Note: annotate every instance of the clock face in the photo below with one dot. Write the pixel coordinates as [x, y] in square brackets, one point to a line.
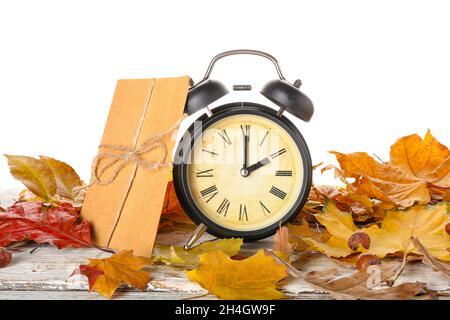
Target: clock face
[245, 172]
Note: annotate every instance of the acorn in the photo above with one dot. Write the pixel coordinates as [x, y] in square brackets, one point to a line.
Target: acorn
[366, 260]
[359, 239]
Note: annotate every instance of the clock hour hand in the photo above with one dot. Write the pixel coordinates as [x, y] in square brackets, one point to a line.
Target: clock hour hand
[258, 165]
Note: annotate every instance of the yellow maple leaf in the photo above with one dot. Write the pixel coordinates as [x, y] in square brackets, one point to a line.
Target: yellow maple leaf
[181, 257]
[427, 223]
[253, 278]
[418, 168]
[106, 275]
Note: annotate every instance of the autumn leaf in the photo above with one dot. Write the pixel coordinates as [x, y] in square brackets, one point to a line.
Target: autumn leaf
[297, 232]
[339, 225]
[190, 258]
[66, 177]
[429, 260]
[173, 216]
[56, 225]
[359, 284]
[36, 175]
[427, 223]
[106, 275]
[418, 170]
[281, 244]
[360, 205]
[5, 257]
[254, 278]
[171, 204]
[357, 260]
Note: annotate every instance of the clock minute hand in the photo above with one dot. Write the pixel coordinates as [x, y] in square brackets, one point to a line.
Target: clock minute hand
[258, 164]
[246, 138]
[245, 152]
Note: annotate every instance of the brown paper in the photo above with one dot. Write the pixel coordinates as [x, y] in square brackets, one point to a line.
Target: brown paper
[125, 214]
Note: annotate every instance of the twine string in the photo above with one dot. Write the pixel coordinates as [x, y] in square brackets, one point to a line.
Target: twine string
[125, 155]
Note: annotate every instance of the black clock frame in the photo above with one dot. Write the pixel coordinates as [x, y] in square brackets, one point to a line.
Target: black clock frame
[180, 178]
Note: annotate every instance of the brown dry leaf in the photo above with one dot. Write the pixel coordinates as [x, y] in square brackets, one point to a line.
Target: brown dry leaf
[418, 171]
[360, 205]
[281, 244]
[348, 262]
[254, 278]
[106, 275]
[190, 258]
[36, 175]
[428, 259]
[299, 231]
[66, 177]
[360, 284]
[311, 207]
[424, 222]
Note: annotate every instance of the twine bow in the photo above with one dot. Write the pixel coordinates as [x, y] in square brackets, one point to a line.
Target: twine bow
[125, 155]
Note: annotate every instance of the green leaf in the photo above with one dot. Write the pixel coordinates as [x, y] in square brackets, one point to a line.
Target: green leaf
[66, 177]
[190, 258]
[35, 174]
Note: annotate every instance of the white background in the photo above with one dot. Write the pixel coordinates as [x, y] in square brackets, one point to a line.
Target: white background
[375, 70]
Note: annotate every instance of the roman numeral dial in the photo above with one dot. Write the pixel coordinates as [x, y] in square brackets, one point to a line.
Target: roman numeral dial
[264, 209]
[243, 215]
[278, 193]
[224, 135]
[209, 193]
[223, 208]
[283, 173]
[208, 173]
[278, 153]
[246, 173]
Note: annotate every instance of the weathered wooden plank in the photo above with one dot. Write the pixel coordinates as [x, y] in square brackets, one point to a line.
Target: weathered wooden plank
[46, 274]
[123, 295]
[8, 196]
[85, 295]
[49, 269]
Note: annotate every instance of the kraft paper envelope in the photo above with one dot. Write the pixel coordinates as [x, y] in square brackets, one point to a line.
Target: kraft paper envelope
[125, 213]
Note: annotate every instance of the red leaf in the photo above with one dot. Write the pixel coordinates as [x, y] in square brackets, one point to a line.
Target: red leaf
[92, 273]
[55, 225]
[5, 257]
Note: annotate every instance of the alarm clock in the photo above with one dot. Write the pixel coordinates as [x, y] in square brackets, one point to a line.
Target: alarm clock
[242, 168]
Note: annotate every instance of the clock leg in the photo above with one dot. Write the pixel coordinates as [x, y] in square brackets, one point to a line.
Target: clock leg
[198, 232]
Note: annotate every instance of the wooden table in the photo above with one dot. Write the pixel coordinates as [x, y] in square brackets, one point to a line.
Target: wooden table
[46, 274]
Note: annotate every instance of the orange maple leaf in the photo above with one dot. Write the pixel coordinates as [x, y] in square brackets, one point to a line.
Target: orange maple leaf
[418, 171]
[171, 204]
[106, 275]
